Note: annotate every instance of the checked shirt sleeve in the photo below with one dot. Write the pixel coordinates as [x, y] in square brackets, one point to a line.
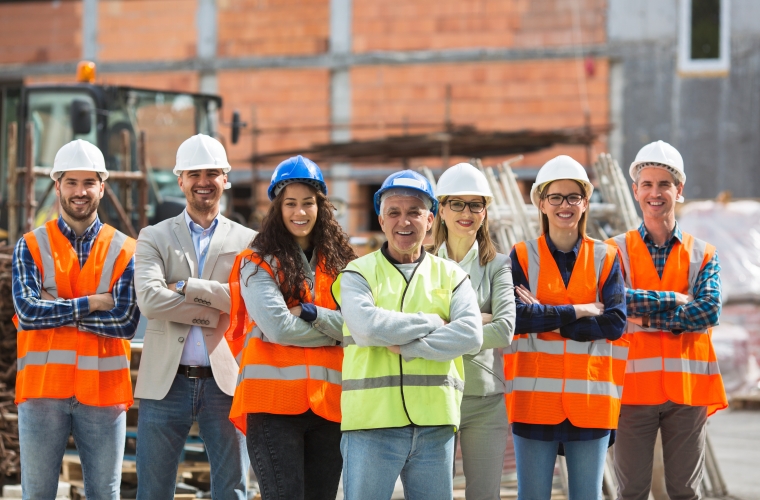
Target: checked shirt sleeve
[121, 321]
[33, 312]
[703, 312]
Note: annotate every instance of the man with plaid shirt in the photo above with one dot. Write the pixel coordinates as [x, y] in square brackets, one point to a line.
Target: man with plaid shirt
[673, 298]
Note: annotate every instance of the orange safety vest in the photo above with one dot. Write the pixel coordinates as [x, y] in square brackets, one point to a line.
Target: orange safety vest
[279, 379]
[551, 378]
[663, 366]
[63, 362]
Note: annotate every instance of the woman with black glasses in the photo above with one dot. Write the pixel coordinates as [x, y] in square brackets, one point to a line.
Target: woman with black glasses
[566, 364]
[460, 232]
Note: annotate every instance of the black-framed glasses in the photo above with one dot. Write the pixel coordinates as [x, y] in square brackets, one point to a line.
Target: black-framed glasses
[557, 199]
[458, 206]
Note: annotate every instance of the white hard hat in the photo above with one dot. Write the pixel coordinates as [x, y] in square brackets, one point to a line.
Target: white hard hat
[561, 167]
[201, 152]
[664, 155]
[79, 155]
[659, 154]
[465, 180]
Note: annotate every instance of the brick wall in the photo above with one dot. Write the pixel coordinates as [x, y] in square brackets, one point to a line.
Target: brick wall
[146, 30]
[491, 96]
[445, 24]
[273, 27]
[40, 32]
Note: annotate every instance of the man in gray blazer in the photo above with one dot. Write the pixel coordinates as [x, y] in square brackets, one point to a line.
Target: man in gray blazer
[187, 371]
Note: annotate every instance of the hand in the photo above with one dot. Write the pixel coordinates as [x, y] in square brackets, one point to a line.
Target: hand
[526, 296]
[46, 296]
[682, 299]
[588, 310]
[172, 287]
[487, 318]
[395, 349]
[295, 311]
[101, 302]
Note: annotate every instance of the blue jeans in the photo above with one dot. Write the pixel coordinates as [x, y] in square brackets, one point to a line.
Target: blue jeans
[535, 467]
[99, 433]
[295, 457]
[163, 426]
[374, 459]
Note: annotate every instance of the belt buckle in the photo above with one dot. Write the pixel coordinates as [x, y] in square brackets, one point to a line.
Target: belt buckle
[193, 372]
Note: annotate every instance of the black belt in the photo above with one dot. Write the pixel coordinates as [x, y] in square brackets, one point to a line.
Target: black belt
[195, 371]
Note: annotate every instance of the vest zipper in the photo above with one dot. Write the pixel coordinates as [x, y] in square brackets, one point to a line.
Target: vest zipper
[400, 359]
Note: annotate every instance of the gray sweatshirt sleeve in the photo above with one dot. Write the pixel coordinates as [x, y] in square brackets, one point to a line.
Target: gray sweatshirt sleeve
[267, 308]
[329, 322]
[501, 329]
[371, 326]
[462, 335]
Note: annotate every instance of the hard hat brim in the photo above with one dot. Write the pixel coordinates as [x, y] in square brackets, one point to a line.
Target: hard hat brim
[224, 168]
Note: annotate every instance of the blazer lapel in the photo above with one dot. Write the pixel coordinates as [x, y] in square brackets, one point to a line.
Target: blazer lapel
[215, 247]
[186, 242]
[476, 275]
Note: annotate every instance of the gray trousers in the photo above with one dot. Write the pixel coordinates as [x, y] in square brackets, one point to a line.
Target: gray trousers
[483, 438]
[683, 431]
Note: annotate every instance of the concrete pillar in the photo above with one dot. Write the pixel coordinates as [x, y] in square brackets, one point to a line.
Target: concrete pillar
[340, 99]
[206, 23]
[90, 30]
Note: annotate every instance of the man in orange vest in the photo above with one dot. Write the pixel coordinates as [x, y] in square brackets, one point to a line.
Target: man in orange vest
[75, 311]
[672, 381]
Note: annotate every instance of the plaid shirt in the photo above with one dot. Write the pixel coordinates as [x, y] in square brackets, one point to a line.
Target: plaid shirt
[543, 318]
[702, 313]
[37, 314]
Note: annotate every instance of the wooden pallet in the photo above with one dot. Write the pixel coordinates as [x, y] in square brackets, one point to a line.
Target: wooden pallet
[745, 401]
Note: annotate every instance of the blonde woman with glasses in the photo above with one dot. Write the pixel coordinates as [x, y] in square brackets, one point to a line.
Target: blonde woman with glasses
[460, 232]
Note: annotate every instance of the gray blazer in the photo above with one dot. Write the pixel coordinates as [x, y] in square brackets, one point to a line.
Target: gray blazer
[165, 254]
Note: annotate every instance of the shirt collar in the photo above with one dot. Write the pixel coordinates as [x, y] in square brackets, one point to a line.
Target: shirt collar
[470, 257]
[195, 228]
[89, 233]
[677, 234]
[553, 248]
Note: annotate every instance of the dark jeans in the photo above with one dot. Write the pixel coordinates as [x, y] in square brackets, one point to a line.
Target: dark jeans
[295, 457]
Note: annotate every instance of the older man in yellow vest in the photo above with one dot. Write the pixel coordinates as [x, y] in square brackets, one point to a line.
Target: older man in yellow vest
[409, 317]
[672, 381]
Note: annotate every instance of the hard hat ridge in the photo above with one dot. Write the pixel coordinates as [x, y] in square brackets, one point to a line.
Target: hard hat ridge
[296, 169]
[465, 180]
[79, 155]
[407, 179]
[201, 152]
[559, 168]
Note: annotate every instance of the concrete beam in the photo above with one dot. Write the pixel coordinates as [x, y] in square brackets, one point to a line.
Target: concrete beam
[340, 97]
[206, 24]
[89, 30]
[328, 61]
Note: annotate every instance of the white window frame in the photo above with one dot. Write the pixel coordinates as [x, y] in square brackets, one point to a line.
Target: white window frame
[685, 62]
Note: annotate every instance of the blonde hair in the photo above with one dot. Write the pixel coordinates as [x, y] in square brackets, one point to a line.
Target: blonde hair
[486, 247]
[544, 219]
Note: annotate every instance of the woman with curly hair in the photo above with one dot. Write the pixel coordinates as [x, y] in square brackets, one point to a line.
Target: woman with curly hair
[288, 394]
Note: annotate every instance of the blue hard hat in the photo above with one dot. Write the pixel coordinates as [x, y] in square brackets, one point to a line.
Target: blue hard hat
[408, 179]
[296, 169]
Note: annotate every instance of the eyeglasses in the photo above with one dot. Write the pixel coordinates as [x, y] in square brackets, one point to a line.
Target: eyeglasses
[557, 199]
[458, 206]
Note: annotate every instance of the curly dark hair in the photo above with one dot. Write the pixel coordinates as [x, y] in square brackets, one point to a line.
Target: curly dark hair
[328, 240]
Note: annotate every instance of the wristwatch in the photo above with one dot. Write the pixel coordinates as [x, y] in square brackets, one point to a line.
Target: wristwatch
[181, 287]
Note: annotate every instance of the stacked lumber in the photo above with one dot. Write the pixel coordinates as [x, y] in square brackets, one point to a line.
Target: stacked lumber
[9, 447]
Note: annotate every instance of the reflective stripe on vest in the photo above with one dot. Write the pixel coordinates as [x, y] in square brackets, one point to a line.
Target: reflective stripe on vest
[663, 366]
[64, 362]
[381, 389]
[550, 378]
[279, 379]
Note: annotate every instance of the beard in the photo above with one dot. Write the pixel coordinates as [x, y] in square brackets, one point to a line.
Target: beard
[204, 206]
[79, 213]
